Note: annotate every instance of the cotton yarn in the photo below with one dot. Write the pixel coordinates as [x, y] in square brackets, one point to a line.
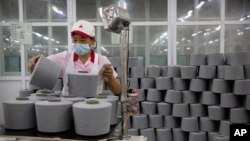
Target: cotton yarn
[53, 116]
[19, 114]
[92, 119]
[83, 84]
[45, 74]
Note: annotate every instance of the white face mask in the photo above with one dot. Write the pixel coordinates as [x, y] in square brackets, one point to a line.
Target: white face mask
[81, 49]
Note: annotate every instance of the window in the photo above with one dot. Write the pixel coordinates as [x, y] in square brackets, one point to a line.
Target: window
[237, 38]
[7, 13]
[193, 39]
[238, 10]
[198, 10]
[45, 10]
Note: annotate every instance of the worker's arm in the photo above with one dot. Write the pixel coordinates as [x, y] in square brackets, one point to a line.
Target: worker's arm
[32, 62]
[113, 84]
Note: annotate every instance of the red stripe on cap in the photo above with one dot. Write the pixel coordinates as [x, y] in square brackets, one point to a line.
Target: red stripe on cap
[92, 57]
[84, 35]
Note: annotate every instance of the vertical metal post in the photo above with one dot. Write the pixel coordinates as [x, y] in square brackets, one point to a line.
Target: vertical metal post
[124, 59]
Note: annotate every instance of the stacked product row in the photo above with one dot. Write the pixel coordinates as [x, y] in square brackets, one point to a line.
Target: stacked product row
[192, 103]
[89, 117]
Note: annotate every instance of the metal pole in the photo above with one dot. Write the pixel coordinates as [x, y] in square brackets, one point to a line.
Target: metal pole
[124, 58]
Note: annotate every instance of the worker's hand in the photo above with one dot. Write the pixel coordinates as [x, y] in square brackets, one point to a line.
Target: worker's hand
[32, 62]
[107, 72]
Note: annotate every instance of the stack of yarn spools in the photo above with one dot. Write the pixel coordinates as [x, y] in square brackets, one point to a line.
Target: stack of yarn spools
[198, 102]
[50, 112]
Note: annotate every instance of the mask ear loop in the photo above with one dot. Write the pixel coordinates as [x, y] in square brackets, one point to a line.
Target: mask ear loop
[95, 46]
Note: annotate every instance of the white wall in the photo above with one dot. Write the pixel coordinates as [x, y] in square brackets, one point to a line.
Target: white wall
[9, 89]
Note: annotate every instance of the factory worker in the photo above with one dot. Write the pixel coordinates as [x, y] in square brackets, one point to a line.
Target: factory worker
[81, 57]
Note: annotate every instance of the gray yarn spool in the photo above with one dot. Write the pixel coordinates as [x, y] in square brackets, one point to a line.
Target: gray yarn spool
[164, 70]
[163, 134]
[148, 133]
[148, 108]
[224, 128]
[241, 58]
[207, 72]
[180, 84]
[19, 114]
[189, 97]
[53, 117]
[234, 73]
[82, 84]
[147, 83]
[220, 72]
[40, 78]
[133, 83]
[216, 59]
[153, 71]
[156, 121]
[133, 132]
[25, 92]
[115, 61]
[188, 72]
[137, 72]
[174, 71]
[247, 71]
[133, 62]
[72, 99]
[197, 136]
[207, 125]
[173, 96]
[59, 85]
[198, 85]
[247, 102]
[180, 110]
[221, 138]
[197, 110]
[37, 97]
[189, 124]
[171, 122]
[114, 101]
[163, 83]
[139, 121]
[209, 98]
[179, 135]
[198, 59]
[154, 95]
[211, 135]
[164, 108]
[229, 100]
[141, 95]
[220, 86]
[241, 87]
[92, 119]
[216, 113]
[239, 115]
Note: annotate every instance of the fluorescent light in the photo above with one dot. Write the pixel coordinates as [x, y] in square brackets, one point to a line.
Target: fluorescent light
[200, 5]
[218, 28]
[57, 42]
[188, 48]
[57, 10]
[189, 40]
[194, 34]
[247, 28]
[183, 39]
[242, 19]
[210, 42]
[37, 34]
[240, 33]
[46, 38]
[165, 50]
[7, 39]
[216, 40]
